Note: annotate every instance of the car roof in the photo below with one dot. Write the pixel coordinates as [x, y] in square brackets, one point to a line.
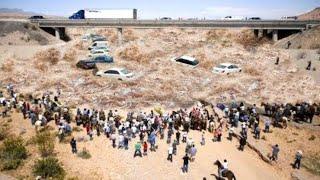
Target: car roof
[114, 69]
[226, 64]
[189, 58]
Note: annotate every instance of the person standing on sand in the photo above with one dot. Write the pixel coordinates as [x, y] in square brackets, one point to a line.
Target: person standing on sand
[297, 161]
[275, 152]
[242, 142]
[193, 152]
[137, 151]
[267, 126]
[203, 140]
[185, 163]
[170, 152]
[145, 148]
[113, 139]
[309, 66]
[73, 144]
[178, 137]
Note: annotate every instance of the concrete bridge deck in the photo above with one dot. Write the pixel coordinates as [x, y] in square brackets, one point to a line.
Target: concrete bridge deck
[259, 24]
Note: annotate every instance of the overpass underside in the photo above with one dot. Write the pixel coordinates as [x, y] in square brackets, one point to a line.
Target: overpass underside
[277, 29]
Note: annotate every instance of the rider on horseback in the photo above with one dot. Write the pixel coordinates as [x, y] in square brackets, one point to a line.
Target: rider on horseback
[224, 167]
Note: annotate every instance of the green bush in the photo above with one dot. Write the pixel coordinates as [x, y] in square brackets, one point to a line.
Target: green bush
[49, 168]
[4, 132]
[312, 163]
[45, 143]
[84, 154]
[12, 153]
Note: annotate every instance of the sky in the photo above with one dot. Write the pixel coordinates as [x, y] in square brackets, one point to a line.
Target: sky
[150, 9]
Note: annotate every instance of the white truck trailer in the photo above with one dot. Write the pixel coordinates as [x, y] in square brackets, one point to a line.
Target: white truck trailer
[105, 14]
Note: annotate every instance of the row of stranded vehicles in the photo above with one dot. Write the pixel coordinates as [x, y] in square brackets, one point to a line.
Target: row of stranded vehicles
[100, 54]
[132, 14]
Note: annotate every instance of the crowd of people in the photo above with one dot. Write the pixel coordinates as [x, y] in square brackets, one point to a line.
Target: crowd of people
[151, 127]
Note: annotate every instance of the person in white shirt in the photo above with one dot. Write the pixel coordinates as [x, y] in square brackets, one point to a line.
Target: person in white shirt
[170, 152]
[121, 138]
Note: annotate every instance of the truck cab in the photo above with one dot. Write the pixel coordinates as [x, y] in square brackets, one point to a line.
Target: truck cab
[78, 15]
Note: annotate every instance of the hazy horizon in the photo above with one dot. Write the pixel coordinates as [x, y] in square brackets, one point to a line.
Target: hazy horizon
[173, 8]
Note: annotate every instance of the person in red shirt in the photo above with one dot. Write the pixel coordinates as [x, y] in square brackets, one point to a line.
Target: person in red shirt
[145, 148]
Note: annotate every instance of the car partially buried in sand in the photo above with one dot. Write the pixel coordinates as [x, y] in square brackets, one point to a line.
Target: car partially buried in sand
[186, 60]
[118, 73]
[226, 68]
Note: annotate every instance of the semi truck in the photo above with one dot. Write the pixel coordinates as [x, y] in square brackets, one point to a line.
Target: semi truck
[105, 14]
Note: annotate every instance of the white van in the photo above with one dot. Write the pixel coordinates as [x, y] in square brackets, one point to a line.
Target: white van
[99, 44]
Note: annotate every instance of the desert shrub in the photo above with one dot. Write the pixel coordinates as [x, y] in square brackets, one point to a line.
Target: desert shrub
[128, 35]
[4, 132]
[84, 154]
[312, 137]
[80, 45]
[301, 55]
[133, 53]
[49, 168]
[214, 35]
[204, 62]
[70, 55]
[8, 65]
[51, 56]
[41, 66]
[45, 143]
[252, 71]
[312, 163]
[12, 153]
[315, 45]
[247, 40]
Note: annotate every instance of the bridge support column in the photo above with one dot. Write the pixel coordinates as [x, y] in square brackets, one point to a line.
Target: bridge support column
[57, 33]
[260, 33]
[275, 35]
[119, 30]
[256, 32]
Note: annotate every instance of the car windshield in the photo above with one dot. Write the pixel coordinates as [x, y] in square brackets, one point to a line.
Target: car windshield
[195, 62]
[221, 66]
[125, 71]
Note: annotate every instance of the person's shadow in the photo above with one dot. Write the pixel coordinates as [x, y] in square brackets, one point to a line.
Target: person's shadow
[217, 177]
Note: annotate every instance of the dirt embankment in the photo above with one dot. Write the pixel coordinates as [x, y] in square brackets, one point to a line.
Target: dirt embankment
[309, 39]
[23, 33]
[312, 15]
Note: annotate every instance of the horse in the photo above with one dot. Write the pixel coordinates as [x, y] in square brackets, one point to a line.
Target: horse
[227, 173]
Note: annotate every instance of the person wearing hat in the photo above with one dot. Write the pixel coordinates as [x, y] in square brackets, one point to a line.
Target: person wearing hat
[297, 159]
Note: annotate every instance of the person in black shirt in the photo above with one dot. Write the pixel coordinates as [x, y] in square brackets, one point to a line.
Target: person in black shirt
[185, 163]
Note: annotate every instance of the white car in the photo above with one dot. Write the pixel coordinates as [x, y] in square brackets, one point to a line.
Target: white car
[95, 53]
[106, 49]
[190, 61]
[119, 73]
[226, 68]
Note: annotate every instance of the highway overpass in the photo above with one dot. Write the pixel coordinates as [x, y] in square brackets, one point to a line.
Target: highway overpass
[260, 27]
[260, 24]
